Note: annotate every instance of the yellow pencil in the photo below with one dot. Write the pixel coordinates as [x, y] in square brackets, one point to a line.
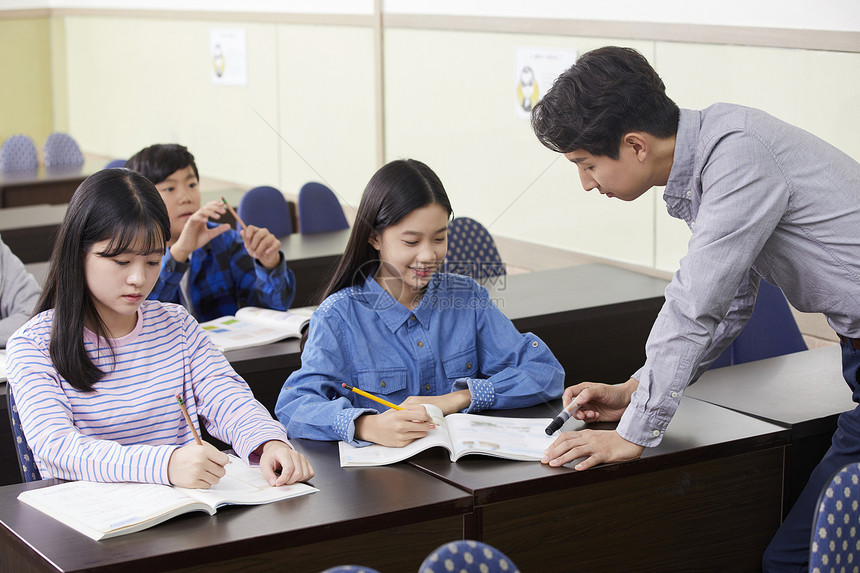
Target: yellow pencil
[234, 213]
[188, 419]
[372, 397]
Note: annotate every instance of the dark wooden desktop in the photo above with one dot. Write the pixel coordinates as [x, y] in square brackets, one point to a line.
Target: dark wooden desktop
[388, 518]
[804, 391]
[47, 185]
[595, 317]
[30, 231]
[707, 498]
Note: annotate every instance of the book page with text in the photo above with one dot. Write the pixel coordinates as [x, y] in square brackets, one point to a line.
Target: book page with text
[512, 438]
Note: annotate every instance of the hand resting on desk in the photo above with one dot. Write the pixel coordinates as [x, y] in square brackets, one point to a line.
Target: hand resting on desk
[599, 403]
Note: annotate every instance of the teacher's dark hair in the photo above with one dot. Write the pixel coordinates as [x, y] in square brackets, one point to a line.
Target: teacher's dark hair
[116, 205]
[606, 94]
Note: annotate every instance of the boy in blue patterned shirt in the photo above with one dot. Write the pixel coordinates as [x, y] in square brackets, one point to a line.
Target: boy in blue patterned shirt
[209, 268]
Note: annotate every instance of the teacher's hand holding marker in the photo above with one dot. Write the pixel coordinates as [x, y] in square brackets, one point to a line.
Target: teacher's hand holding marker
[591, 402]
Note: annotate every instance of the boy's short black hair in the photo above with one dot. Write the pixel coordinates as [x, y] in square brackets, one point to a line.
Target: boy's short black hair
[157, 162]
[607, 93]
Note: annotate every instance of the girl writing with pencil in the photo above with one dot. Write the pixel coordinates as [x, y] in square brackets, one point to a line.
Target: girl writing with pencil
[394, 327]
[96, 373]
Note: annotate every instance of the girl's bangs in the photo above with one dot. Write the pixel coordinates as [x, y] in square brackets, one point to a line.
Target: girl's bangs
[138, 237]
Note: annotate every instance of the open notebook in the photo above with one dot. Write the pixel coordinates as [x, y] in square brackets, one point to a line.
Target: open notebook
[461, 434]
[103, 510]
[254, 326]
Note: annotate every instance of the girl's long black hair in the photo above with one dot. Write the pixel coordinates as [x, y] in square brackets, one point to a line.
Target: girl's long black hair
[394, 191]
[116, 205]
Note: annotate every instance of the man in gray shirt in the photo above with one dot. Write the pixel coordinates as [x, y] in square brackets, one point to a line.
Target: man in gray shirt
[19, 293]
[762, 198]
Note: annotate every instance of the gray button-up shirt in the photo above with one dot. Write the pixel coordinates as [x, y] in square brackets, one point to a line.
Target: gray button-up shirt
[763, 199]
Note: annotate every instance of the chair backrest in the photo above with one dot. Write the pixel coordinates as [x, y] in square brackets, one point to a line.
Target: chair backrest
[319, 210]
[266, 207]
[467, 555]
[60, 150]
[26, 462]
[835, 543]
[472, 250]
[18, 153]
[771, 331]
[115, 163]
[350, 569]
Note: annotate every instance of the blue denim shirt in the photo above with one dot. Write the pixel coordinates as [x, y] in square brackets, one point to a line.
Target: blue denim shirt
[455, 339]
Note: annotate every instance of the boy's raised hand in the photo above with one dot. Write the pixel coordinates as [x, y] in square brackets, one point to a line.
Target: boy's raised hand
[262, 245]
[196, 233]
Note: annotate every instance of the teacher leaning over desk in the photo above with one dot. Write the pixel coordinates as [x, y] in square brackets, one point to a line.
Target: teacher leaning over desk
[762, 198]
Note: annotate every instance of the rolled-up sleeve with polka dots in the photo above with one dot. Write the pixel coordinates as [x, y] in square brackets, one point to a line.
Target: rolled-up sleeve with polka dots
[456, 338]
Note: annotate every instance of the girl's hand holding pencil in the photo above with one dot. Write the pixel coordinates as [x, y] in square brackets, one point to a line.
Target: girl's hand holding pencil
[395, 427]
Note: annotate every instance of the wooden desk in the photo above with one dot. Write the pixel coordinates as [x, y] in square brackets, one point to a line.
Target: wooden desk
[30, 231]
[709, 497]
[46, 185]
[388, 518]
[313, 258]
[804, 391]
[595, 318]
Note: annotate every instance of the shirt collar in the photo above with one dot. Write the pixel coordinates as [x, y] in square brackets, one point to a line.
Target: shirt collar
[681, 175]
[391, 312]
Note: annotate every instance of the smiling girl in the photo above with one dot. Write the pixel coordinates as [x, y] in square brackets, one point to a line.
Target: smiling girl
[96, 372]
[392, 325]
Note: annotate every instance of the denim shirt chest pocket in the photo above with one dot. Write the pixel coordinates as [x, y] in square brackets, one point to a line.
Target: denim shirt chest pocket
[463, 364]
[382, 382]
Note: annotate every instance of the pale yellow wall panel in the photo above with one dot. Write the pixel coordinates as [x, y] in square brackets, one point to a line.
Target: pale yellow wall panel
[450, 100]
[817, 91]
[25, 69]
[59, 75]
[327, 108]
[134, 82]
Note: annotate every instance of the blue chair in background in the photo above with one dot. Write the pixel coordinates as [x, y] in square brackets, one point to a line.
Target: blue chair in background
[61, 151]
[771, 331]
[266, 207]
[835, 539]
[467, 555]
[115, 163]
[26, 462]
[472, 250]
[319, 210]
[18, 154]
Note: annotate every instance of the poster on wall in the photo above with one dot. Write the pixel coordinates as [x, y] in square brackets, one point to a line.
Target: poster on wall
[534, 71]
[228, 56]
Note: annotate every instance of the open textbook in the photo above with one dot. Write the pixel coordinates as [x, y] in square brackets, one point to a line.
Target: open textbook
[462, 434]
[103, 510]
[254, 326]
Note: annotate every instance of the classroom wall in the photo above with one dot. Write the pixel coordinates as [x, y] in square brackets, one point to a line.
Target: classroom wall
[25, 99]
[309, 111]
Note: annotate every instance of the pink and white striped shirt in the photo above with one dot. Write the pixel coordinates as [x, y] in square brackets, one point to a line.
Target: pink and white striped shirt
[127, 429]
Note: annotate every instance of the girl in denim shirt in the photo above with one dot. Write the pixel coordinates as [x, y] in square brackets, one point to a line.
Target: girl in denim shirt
[393, 326]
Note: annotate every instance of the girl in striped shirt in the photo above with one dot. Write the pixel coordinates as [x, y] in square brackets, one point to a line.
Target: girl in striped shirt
[95, 373]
